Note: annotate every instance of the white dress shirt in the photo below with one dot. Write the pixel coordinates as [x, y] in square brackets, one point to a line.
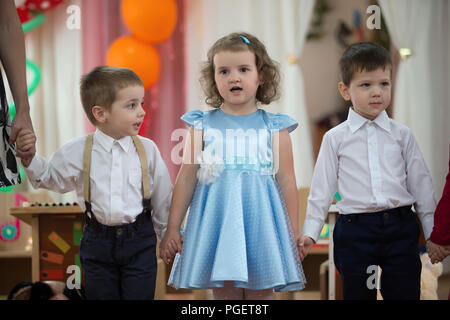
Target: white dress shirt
[375, 165]
[115, 178]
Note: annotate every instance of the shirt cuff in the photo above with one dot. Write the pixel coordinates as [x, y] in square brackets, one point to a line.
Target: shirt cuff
[427, 225]
[312, 229]
[35, 169]
[162, 232]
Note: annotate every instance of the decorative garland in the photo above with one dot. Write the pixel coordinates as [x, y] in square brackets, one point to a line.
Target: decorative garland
[316, 29]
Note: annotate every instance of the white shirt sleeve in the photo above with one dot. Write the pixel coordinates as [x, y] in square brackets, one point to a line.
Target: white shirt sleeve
[420, 185]
[161, 193]
[323, 188]
[58, 174]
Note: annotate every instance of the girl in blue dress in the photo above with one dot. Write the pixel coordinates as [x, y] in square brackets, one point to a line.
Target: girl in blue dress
[238, 181]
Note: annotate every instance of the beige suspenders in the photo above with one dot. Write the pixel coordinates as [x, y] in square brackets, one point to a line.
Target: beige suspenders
[87, 169]
[144, 166]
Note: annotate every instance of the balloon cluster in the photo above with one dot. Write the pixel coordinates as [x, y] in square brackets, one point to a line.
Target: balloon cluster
[150, 21]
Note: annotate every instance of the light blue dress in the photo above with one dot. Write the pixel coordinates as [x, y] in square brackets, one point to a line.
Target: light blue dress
[237, 227]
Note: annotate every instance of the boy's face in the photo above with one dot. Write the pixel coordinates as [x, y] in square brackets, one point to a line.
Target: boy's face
[369, 91]
[236, 77]
[126, 114]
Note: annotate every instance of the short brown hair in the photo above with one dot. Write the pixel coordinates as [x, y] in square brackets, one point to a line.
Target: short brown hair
[268, 69]
[100, 86]
[363, 56]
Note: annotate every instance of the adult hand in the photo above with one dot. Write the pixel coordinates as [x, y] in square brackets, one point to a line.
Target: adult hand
[21, 121]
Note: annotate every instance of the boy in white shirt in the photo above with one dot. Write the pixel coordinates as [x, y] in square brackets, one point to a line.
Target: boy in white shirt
[376, 165]
[125, 191]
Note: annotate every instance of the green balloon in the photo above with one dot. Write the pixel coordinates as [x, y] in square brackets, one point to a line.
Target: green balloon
[38, 19]
[7, 189]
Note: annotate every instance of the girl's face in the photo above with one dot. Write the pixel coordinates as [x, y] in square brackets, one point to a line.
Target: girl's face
[236, 78]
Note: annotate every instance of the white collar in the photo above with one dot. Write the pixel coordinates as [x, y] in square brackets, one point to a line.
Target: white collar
[356, 121]
[107, 141]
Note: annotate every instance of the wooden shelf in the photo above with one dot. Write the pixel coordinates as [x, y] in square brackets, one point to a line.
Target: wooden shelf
[27, 213]
[318, 251]
[15, 254]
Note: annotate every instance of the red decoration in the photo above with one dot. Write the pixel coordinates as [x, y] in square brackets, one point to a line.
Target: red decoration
[42, 5]
[24, 14]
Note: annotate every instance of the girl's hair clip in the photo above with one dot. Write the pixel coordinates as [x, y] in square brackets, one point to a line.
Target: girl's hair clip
[245, 39]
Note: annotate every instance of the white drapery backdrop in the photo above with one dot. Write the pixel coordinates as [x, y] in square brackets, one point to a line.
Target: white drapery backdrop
[422, 94]
[282, 26]
[55, 106]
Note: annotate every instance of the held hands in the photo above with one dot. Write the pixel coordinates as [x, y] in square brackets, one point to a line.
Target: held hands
[26, 146]
[304, 244]
[170, 245]
[437, 252]
[21, 123]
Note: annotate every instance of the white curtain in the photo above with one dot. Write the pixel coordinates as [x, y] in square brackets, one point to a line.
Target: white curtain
[422, 95]
[282, 27]
[55, 106]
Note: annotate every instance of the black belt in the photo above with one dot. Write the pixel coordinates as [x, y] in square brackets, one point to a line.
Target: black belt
[383, 214]
[92, 220]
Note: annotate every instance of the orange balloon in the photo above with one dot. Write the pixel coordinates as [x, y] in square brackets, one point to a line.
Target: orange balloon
[150, 20]
[142, 58]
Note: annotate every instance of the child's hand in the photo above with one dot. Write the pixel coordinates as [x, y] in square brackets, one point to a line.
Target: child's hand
[25, 142]
[170, 245]
[304, 244]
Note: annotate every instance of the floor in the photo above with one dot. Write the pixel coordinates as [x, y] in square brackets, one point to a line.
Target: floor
[442, 291]
[305, 295]
[443, 287]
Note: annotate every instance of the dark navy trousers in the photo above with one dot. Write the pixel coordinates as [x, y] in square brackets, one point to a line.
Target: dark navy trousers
[388, 239]
[119, 262]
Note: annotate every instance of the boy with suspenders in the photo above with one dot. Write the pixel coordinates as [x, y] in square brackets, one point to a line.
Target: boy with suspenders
[121, 182]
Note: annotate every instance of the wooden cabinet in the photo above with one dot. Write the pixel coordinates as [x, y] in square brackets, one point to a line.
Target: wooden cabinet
[56, 233]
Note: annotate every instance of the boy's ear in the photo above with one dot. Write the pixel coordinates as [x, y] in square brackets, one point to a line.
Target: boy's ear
[343, 90]
[99, 114]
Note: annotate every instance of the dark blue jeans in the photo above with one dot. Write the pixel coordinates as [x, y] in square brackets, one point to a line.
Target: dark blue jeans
[388, 239]
[119, 262]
